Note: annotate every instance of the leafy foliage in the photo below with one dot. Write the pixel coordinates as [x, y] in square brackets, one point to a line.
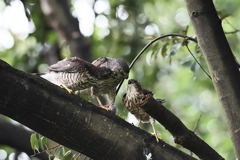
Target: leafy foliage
[58, 152]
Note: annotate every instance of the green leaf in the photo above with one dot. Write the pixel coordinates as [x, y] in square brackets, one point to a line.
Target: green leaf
[197, 49]
[68, 156]
[49, 154]
[34, 142]
[164, 50]
[42, 142]
[66, 149]
[175, 49]
[41, 146]
[186, 59]
[194, 68]
[155, 50]
[59, 152]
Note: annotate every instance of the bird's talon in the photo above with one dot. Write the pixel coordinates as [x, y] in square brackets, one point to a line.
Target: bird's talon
[103, 107]
[65, 87]
[157, 138]
[110, 108]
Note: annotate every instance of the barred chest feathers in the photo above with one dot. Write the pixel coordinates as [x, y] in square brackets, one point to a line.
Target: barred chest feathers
[132, 104]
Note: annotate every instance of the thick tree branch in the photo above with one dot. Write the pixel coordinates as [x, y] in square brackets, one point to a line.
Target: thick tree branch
[182, 135]
[74, 122]
[62, 21]
[220, 60]
[19, 141]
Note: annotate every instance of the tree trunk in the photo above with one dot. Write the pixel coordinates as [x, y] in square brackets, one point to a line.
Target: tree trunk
[75, 123]
[220, 60]
[66, 26]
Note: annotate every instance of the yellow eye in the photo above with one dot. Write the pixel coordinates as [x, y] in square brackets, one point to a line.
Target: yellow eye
[121, 71]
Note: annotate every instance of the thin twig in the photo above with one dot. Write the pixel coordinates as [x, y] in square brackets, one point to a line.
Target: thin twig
[158, 38]
[230, 24]
[45, 150]
[198, 62]
[232, 32]
[195, 128]
[149, 44]
[197, 123]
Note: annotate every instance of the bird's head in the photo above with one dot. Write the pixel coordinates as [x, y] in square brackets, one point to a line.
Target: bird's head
[133, 85]
[119, 67]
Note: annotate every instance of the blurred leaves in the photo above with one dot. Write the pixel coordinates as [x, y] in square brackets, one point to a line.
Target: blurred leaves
[164, 50]
[194, 68]
[186, 59]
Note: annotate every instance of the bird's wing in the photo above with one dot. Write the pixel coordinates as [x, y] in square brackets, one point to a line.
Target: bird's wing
[73, 64]
[146, 92]
[100, 62]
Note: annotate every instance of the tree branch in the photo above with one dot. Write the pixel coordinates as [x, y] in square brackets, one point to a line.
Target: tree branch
[182, 135]
[149, 44]
[220, 60]
[74, 122]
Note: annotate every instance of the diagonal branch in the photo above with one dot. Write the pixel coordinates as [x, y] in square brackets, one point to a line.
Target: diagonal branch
[182, 135]
[73, 122]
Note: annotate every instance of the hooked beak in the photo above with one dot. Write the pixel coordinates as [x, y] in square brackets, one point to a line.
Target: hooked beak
[125, 76]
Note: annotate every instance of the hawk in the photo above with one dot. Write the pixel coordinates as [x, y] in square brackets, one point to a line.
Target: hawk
[74, 74]
[120, 69]
[134, 98]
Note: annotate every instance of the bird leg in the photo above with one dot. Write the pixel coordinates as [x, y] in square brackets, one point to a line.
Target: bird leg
[100, 104]
[154, 131]
[65, 87]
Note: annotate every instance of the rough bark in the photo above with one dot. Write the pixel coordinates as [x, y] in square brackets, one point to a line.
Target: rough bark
[74, 122]
[220, 60]
[19, 141]
[182, 135]
[66, 26]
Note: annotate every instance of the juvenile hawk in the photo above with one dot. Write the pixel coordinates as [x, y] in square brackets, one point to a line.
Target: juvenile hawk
[134, 98]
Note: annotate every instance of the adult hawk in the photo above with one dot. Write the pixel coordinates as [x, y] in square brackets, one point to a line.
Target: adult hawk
[134, 98]
[75, 74]
[120, 69]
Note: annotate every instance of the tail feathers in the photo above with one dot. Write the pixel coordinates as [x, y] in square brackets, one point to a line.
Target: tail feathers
[160, 100]
[52, 77]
